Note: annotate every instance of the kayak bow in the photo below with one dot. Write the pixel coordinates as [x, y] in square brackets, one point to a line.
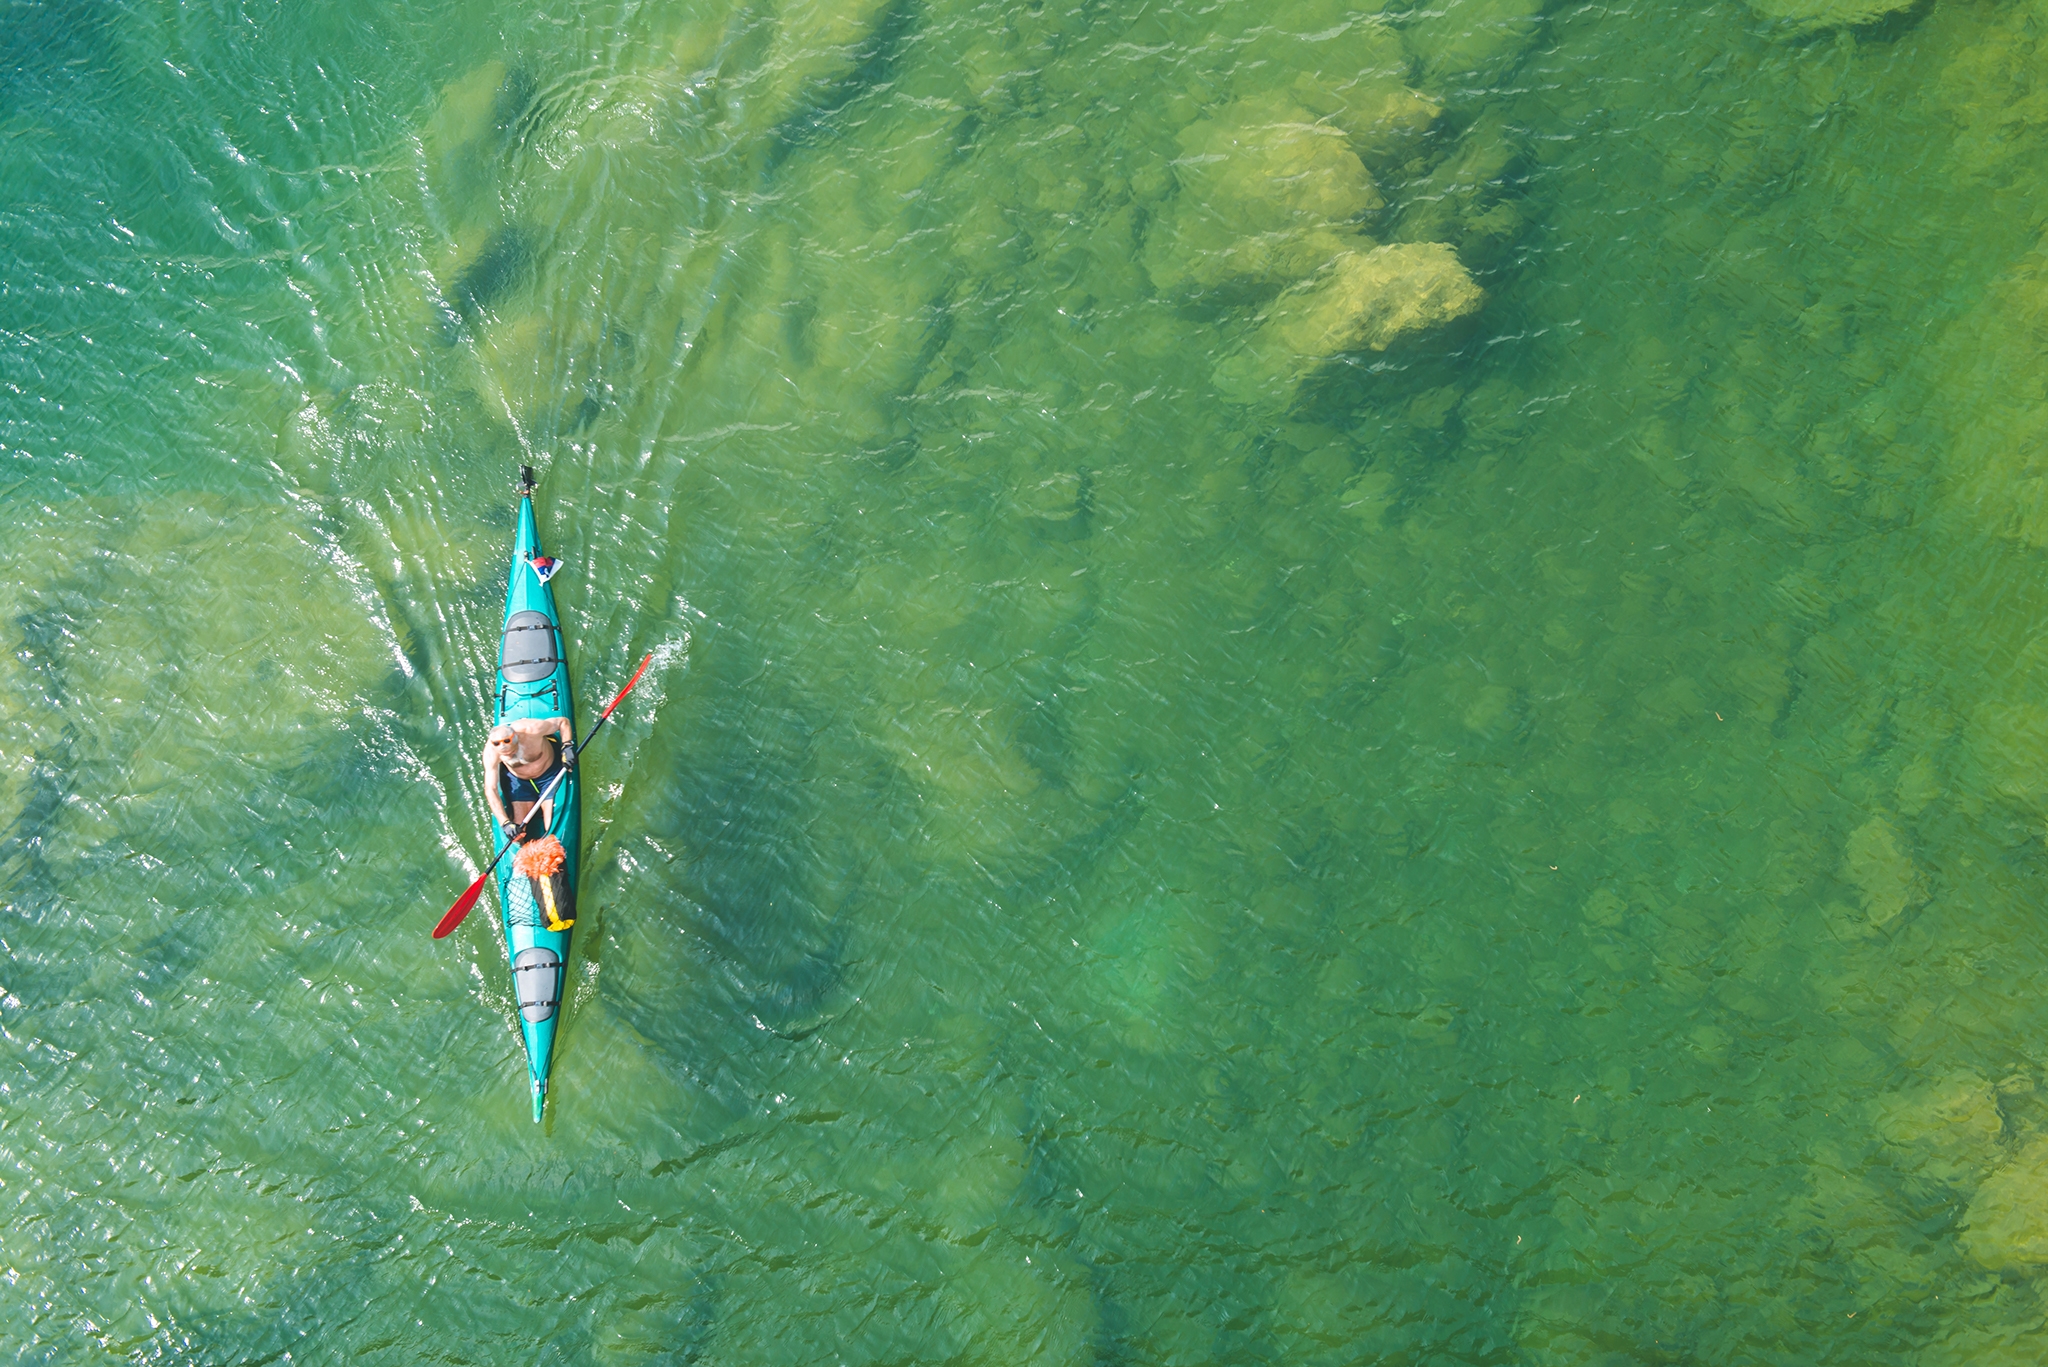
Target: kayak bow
[533, 682]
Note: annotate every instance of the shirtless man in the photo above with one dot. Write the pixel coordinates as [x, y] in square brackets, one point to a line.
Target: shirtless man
[529, 751]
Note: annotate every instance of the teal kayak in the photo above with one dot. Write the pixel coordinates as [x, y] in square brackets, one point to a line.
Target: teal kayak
[533, 682]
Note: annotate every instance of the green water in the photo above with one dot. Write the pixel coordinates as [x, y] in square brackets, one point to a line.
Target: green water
[1152, 838]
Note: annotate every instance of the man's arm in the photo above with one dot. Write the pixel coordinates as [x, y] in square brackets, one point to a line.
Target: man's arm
[491, 785]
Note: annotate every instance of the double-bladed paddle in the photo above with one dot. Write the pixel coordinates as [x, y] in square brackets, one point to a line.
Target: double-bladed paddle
[535, 820]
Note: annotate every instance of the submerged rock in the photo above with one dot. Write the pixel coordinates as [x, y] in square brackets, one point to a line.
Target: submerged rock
[1324, 38]
[1271, 163]
[1382, 296]
[1474, 42]
[2007, 1223]
[1947, 1132]
[2007, 731]
[475, 119]
[489, 275]
[476, 273]
[817, 54]
[1366, 301]
[549, 373]
[1462, 200]
[1881, 870]
[1384, 119]
[1056, 508]
[1350, 70]
[1811, 16]
[1268, 194]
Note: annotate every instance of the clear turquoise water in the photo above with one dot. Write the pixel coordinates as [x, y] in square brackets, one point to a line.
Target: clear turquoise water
[1523, 847]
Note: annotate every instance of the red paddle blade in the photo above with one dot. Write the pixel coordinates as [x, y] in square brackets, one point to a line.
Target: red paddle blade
[461, 907]
[627, 689]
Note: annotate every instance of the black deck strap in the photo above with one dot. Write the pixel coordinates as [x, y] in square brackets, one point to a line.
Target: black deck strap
[515, 693]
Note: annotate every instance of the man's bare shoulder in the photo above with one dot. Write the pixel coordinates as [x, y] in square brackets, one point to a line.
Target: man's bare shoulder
[538, 726]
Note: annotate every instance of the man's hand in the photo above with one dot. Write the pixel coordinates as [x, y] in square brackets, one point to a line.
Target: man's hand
[515, 831]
